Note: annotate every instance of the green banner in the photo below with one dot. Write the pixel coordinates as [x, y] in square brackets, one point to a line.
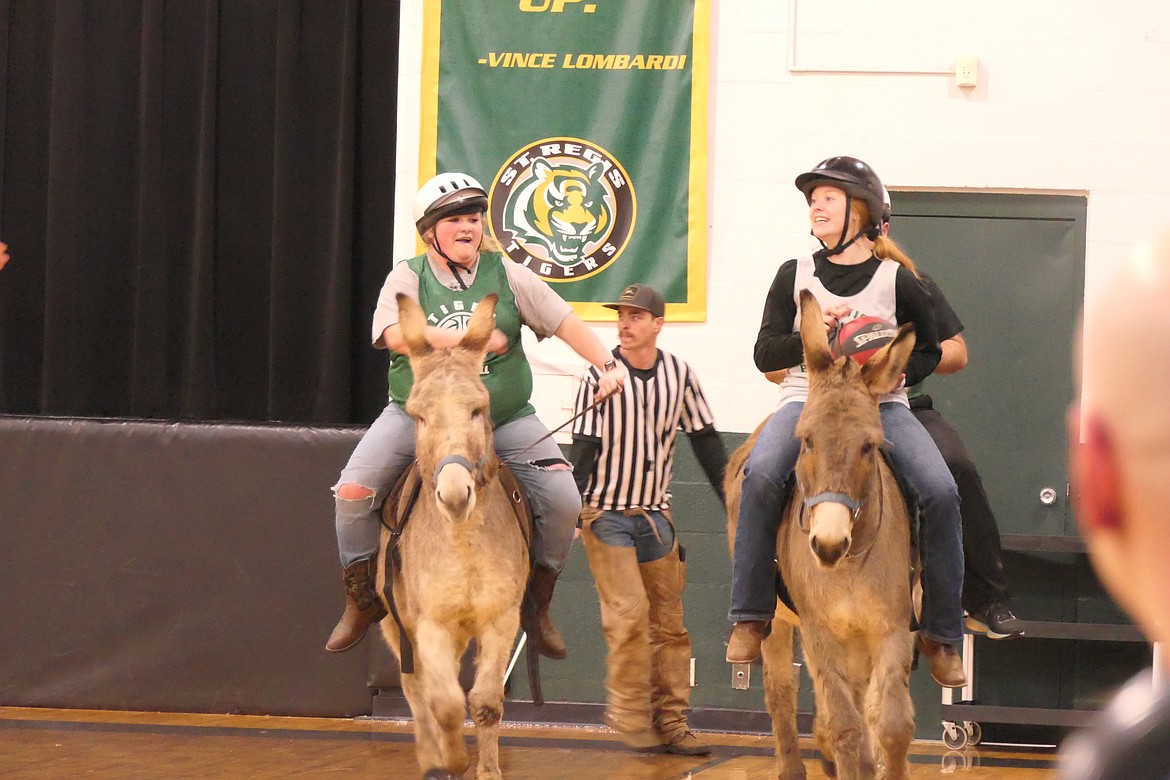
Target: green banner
[586, 122]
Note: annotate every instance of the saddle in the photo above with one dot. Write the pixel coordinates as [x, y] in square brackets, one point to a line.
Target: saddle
[396, 512]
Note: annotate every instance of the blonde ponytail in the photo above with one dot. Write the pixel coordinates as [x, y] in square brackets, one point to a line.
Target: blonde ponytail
[886, 249]
[883, 247]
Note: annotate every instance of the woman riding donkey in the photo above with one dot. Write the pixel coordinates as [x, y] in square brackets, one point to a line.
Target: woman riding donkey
[461, 266]
[858, 272]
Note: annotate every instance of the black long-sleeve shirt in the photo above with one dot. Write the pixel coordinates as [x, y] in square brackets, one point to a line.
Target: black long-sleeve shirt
[778, 346]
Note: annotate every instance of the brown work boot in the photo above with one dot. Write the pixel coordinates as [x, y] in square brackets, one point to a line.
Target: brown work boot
[639, 736]
[946, 665]
[363, 608]
[685, 743]
[535, 617]
[744, 645]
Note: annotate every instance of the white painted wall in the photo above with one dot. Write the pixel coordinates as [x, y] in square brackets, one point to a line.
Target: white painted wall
[1073, 98]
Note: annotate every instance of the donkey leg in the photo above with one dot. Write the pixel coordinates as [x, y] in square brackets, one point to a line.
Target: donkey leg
[889, 709]
[838, 715]
[858, 671]
[780, 696]
[426, 743]
[426, 746]
[825, 746]
[442, 697]
[487, 695]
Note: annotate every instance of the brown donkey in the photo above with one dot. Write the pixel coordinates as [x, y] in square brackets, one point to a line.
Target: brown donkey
[846, 567]
[464, 558]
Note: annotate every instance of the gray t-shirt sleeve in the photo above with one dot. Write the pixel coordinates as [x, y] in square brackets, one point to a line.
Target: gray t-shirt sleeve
[541, 309]
[400, 280]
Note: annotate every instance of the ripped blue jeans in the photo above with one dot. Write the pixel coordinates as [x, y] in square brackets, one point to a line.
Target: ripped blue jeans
[387, 449]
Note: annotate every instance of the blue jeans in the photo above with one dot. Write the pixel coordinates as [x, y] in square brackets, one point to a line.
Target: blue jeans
[387, 449]
[617, 529]
[753, 568]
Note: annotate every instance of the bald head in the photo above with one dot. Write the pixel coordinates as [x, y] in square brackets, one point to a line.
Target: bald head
[1120, 442]
[1126, 347]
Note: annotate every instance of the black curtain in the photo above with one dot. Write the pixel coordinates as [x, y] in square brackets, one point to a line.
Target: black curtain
[197, 196]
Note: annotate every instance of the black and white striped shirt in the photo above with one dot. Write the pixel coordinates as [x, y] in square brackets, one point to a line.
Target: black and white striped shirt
[636, 430]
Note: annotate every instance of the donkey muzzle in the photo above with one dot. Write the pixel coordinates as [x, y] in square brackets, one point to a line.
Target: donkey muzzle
[455, 481]
[830, 532]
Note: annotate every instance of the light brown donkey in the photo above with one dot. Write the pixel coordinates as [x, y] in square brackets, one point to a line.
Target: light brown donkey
[846, 567]
[464, 559]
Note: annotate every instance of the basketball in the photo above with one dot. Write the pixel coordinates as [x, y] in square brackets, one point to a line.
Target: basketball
[861, 338]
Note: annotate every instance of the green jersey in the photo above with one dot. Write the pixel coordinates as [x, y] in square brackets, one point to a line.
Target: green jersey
[508, 377]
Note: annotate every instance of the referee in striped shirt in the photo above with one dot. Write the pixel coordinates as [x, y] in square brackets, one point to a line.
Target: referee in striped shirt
[623, 454]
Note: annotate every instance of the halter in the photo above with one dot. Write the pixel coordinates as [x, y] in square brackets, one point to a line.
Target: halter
[820, 498]
[853, 504]
[475, 469]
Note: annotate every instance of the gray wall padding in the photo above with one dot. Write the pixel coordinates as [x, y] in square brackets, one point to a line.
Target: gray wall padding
[172, 567]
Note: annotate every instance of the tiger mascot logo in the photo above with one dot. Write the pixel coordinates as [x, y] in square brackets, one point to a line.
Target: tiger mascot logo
[563, 207]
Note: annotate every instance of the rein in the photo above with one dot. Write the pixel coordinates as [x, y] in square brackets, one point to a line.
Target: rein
[581, 413]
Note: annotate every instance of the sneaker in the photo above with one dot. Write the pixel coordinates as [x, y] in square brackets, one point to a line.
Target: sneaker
[685, 743]
[744, 645]
[995, 621]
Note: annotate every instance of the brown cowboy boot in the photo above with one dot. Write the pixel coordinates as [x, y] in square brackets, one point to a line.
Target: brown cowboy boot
[746, 638]
[946, 665]
[535, 617]
[670, 654]
[363, 608]
[625, 620]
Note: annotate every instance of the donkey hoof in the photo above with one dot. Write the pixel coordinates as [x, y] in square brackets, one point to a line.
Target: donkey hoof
[440, 774]
[830, 767]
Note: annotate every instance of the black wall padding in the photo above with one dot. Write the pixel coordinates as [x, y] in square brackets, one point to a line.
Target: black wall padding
[172, 567]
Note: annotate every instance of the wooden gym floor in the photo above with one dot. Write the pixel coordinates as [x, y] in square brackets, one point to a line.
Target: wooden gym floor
[44, 743]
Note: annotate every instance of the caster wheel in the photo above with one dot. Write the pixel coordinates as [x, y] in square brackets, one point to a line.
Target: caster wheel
[974, 732]
[954, 737]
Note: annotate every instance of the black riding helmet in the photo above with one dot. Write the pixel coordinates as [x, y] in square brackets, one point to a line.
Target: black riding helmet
[858, 180]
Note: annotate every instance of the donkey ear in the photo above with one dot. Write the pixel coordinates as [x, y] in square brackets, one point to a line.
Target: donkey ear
[882, 372]
[483, 322]
[414, 326]
[812, 333]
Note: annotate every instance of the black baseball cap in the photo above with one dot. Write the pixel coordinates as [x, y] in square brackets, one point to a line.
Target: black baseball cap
[640, 296]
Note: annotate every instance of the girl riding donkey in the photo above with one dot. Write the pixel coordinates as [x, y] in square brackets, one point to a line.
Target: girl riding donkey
[461, 266]
[858, 272]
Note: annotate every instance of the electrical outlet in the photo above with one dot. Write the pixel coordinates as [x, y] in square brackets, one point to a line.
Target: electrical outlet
[967, 71]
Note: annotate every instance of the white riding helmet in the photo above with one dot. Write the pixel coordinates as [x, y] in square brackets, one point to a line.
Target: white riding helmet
[447, 194]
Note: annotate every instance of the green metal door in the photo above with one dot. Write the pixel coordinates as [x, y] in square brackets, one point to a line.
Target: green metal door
[1012, 267]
